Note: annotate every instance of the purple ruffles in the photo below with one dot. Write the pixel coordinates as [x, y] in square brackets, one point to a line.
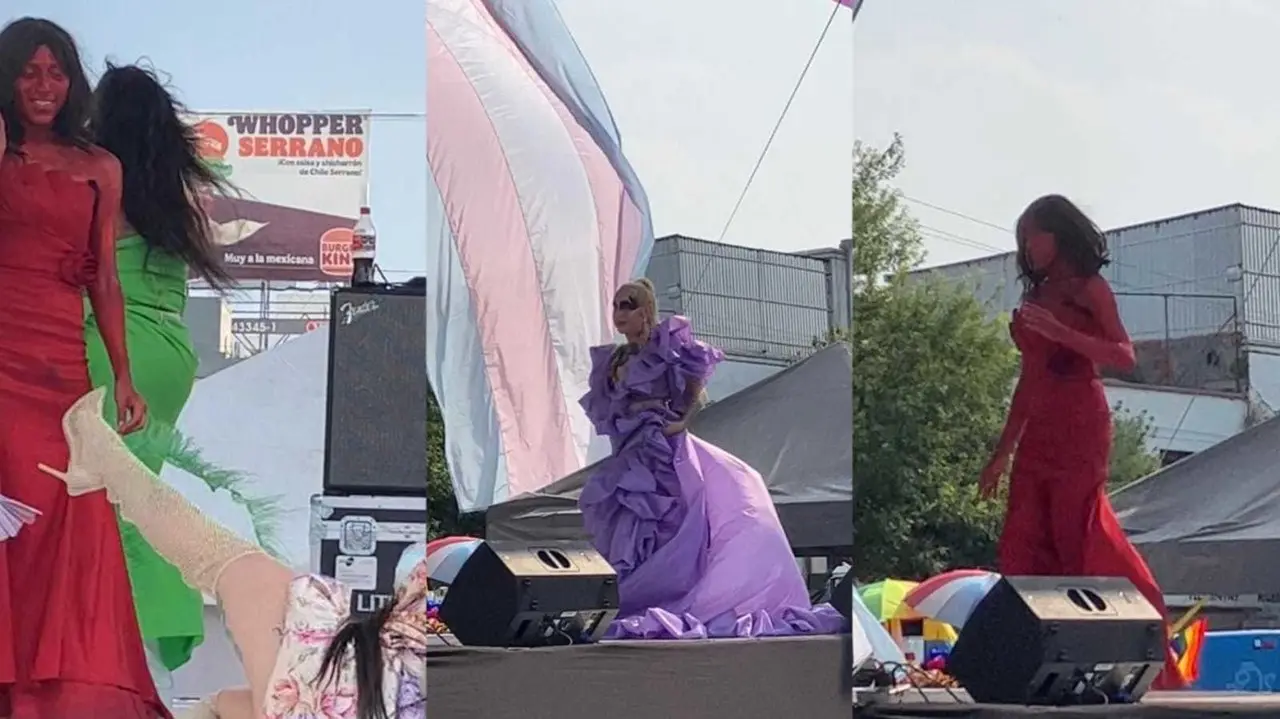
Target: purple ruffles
[690, 528]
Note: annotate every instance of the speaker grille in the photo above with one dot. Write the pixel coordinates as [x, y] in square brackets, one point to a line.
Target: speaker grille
[376, 428]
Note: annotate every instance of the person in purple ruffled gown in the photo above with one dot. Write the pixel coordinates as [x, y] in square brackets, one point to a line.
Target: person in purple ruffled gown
[690, 529]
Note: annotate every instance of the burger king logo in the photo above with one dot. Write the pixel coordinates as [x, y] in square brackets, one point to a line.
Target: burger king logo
[335, 252]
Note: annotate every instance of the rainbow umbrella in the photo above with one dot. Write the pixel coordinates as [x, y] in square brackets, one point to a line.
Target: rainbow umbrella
[950, 597]
[885, 599]
[441, 542]
[447, 555]
[870, 638]
[410, 558]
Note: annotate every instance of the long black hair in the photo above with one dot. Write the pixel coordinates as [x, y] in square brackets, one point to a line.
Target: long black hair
[140, 122]
[19, 41]
[1080, 243]
[363, 637]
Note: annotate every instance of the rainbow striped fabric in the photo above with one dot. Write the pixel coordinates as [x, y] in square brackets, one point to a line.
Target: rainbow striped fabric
[1187, 645]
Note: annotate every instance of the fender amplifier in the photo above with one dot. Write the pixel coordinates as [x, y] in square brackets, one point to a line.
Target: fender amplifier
[376, 415]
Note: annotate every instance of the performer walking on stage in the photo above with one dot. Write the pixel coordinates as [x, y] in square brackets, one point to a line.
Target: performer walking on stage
[69, 640]
[161, 235]
[691, 529]
[302, 654]
[1058, 432]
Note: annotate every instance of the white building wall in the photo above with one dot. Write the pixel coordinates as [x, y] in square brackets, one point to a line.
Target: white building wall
[1203, 274]
[1264, 379]
[1182, 421]
[1188, 254]
[1258, 283]
[736, 375]
[753, 304]
[1172, 278]
[993, 280]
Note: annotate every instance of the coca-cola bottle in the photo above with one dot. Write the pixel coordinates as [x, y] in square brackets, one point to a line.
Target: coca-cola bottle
[364, 245]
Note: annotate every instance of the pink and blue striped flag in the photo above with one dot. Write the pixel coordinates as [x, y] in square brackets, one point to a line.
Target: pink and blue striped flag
[534, 219]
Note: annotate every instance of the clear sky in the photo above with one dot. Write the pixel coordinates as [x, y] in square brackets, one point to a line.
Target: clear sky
[1138, 109]
[695, 88]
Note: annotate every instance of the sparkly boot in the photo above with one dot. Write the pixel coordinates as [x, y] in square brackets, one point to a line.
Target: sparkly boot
[200, 548]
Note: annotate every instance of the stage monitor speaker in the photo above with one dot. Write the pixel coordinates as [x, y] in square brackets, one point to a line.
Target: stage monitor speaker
[842, 595]
[376, 423]
[1059, 641]
[509, 594]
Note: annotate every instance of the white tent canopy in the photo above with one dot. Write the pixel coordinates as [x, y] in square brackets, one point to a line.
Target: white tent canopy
[263, 417]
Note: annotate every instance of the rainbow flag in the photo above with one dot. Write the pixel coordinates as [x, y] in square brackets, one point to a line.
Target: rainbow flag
[1187, 644]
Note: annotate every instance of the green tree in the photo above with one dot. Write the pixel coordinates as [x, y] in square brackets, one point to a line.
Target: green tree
[931, 380]
[932, 377]
[1131, 460]
[886, 237]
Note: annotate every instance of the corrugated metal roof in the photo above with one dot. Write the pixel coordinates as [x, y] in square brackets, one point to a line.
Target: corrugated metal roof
[755, 303]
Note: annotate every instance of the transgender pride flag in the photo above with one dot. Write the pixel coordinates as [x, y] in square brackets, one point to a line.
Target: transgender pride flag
[534, 218]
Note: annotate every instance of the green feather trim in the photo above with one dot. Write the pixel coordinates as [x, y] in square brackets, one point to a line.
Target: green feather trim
[181, 452]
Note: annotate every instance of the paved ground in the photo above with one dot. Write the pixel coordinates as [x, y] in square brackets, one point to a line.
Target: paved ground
[1181, 699]
[1192, 699]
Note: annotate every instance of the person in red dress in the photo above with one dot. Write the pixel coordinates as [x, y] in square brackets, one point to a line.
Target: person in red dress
[69, 639]
[1059, 521]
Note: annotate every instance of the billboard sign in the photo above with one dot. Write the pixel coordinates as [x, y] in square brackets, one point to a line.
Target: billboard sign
[300, 177]
[268, 326]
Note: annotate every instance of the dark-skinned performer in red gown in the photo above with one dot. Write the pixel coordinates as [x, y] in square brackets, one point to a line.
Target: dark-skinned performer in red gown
[1059, 521]
[69, 639]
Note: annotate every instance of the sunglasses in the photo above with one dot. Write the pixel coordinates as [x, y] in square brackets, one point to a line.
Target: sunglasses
[624, 304]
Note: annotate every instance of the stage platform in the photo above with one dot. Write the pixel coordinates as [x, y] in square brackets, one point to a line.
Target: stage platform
[938, 704]
[771, 678]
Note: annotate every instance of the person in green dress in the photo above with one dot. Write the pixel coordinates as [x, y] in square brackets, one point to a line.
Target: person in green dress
[164, 237]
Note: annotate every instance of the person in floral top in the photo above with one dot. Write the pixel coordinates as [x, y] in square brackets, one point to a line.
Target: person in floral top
[304, 655]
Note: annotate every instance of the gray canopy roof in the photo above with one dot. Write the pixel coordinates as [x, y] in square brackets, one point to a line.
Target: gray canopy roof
[794, 427]
[1210, 524]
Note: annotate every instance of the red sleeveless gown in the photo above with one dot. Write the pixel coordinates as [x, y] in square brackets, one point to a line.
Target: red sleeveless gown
[69, 639]
[1059, 521]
